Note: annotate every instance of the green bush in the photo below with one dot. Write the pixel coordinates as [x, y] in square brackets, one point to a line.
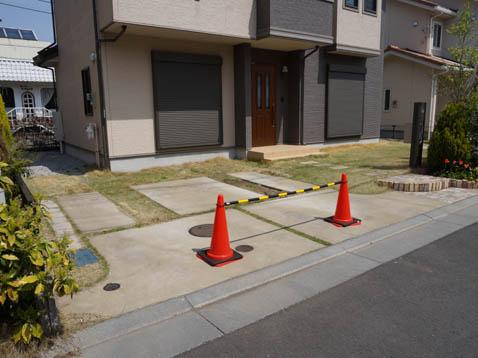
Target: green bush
[32, 268]
[5, 131]
[451, 137]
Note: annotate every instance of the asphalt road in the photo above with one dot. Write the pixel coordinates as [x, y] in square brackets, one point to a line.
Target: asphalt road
[424, 304]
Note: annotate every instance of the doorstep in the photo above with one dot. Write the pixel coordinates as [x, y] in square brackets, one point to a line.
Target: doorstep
[282, 151]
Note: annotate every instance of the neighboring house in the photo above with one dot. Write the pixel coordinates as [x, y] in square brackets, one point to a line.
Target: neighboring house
[156, 82]
[27, 90]
[415, 42]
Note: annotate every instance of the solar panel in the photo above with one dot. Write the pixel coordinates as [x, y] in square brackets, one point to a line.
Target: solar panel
[28, 35]
[12, 33]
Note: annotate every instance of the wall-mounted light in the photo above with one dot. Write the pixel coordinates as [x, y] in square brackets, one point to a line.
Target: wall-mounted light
[415, 23]
[285, 69]
[93, 56]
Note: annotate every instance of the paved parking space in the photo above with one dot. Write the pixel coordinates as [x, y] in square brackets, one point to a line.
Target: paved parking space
[93, 212]
[157, 262]
[306, 212]
[189, 196]
[270, 181]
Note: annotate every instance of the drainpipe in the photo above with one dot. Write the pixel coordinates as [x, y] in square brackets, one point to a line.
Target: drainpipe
[302, 69]
[101, 85]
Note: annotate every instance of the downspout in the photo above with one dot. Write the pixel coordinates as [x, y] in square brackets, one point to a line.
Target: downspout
[99, 66]
[433, 104]
[302, 90]
[52, 5]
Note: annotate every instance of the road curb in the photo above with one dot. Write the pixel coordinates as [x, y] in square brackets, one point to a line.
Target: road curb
[203, 300]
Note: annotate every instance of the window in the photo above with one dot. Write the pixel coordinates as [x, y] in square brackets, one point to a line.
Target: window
[259, 91]
[12, 33]
[28, 35]
[437, 34]
[8, 96]
[370, 6]
[48, 98]
[386, 100]
[353, 4]
[87, 96]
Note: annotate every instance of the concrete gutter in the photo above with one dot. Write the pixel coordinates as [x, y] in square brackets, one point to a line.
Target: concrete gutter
[178, 325]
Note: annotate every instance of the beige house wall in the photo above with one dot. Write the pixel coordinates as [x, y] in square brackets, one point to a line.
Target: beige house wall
[129, 91]
[230, 18]
[76, 41]
[409, 83]
[406, 26]
[358, 29]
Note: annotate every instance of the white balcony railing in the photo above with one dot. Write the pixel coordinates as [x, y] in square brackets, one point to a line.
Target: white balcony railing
[20, 116]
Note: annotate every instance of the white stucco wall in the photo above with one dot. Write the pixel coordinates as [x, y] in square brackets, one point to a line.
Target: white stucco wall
[409, 83]
[20, 49]
[19, 88]
[229, 18]
[357, 28]
[129, 91]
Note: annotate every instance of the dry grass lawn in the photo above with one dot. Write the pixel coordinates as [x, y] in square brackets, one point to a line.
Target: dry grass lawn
[365, 164]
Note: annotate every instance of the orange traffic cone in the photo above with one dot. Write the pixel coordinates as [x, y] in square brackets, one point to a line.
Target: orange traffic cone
[220, 252]
[343, 217]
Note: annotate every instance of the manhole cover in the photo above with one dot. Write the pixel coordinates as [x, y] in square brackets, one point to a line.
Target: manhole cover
[204, 230]
[111, 286]
[244, 248]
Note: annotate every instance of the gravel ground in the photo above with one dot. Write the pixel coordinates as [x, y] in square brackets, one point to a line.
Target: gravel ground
[55, 163]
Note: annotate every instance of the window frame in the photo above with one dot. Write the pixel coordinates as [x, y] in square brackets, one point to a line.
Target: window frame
[12, 96]
[389, 100]
[370, 12]
[352, 8]
[435, 23]
[87, 92]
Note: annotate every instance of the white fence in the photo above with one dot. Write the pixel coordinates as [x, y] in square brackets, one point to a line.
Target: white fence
[33, 127]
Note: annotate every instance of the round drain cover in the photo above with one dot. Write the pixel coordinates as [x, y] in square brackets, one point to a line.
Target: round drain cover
[204, 230]
[111, 286]
[244, 248]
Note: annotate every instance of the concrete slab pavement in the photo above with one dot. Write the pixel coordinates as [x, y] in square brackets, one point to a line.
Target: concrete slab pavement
[306, 212]
[60, 224]
[156, 263]
[270, 181]
[93, 212]
[189, 196]
[277, 287]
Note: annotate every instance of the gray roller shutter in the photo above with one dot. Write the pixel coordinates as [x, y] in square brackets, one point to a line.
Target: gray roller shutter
[187, 100]
[345, 101]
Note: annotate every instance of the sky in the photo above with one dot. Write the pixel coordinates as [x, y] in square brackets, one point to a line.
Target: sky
[39, 22]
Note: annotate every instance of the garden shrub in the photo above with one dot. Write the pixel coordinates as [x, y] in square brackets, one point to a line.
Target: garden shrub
[451, 137]
[5, 131]
[32, 268]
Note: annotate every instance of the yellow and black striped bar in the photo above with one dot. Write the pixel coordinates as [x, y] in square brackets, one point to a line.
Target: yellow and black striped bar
[284, 194]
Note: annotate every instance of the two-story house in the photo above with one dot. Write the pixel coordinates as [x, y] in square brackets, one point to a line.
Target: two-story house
[415, 42]
[152, 82]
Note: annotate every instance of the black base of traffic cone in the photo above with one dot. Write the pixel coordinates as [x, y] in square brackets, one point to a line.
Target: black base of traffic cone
[202, 254]
[354, 222]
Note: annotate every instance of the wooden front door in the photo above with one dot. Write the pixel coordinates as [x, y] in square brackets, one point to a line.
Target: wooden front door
[263, 105]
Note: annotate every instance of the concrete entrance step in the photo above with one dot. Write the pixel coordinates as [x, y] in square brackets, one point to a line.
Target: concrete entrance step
[283, 151]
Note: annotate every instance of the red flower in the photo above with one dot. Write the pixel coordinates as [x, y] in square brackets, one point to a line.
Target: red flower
[454, 162]
[467, 166]
[460, 162]
[446, 161]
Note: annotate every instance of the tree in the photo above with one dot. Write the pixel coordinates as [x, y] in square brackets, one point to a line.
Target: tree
[5, 132]
[460, 82]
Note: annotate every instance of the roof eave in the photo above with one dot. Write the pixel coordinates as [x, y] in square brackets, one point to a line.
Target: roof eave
[411, 58]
